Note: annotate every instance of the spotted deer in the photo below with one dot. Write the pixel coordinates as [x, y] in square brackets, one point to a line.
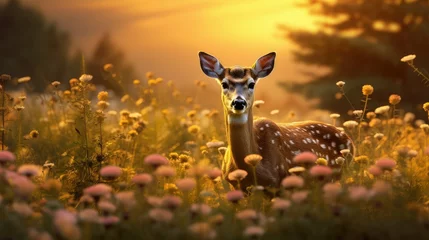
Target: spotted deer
[277, 143]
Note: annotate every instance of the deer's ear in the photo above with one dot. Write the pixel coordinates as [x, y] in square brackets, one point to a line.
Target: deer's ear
[264, 65]
[210, 65]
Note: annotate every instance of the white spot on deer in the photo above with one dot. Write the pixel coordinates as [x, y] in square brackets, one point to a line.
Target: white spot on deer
[319, 124]
[291, 142]
[288, 160]
[267, 125]
[260, 148]
[312, 126]
[323, 146]
[262, 129]
[332, 162]
[304, 141]
[272, 141]
[277, 167]
[329, 148]
[314, 141]
[333, 144]
[296, 152]
[337, 135]
[327, 157]
[317, 131]
[312, 150]
[335, 152]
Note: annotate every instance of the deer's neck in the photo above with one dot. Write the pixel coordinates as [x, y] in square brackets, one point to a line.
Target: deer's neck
[241, 139]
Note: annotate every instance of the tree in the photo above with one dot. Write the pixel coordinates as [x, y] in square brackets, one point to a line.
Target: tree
[122, 73]
[362, 42]
[30, 46]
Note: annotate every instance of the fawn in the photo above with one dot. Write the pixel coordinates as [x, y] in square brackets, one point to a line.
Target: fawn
[277, 143]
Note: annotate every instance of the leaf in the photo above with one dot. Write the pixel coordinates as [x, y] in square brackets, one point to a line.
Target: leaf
[77, 130]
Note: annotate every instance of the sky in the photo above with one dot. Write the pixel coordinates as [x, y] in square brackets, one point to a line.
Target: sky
[165, 36]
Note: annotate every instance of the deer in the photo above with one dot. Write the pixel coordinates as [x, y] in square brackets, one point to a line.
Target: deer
[277, 143]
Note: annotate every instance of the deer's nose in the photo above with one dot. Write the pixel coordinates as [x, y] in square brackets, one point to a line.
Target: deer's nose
[239, 103]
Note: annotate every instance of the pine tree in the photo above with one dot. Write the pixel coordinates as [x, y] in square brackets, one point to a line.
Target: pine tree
[362, 42]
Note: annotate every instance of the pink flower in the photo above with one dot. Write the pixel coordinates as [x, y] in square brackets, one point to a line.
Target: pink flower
[142, 180]
[23, 187]
[106, 207]
[6, 157]
[247, 215]
[201, 209]
[299, 197]
[237, 175]
[214, 173]
[165, 171]
[374, 170]
[127, 199]
[110, 172]
[154, 201]
[98, 190]
[234, 196]
[280, 204]
[293, 182]
[253, 232]
[155, 160]
[386, 164]
[89, 215]
[305, 158]
[66, 224]
[358, 193]
[186, 184]
[160, 215]
[29, 170]
[171, 202]
[320, 171]
[331, 191]
[109, 221]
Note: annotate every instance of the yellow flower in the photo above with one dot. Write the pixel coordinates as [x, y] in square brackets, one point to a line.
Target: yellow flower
[102, 96]
[426, 106]
[253, 159]
[194, 129]
[132, 133]
[136, 82]
[361, 159]
[322, 161]
[394, 99]
[367, 90]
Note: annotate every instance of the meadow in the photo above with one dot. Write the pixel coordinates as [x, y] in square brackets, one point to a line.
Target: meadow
[77, 163]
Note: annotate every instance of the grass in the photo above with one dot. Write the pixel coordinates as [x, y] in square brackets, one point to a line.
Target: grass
[61, 139]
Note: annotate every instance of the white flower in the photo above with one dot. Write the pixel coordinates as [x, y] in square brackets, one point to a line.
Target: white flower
[340, 84]
[408, 58]
[274, 112]
[85, 78]
[358, 113]
[382, 109]
[334, 115]
[350, 124]
[24, 79]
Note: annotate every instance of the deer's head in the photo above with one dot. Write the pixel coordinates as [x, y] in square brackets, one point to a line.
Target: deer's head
[237, 83]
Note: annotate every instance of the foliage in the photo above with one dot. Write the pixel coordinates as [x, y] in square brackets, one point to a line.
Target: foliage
[361, 42]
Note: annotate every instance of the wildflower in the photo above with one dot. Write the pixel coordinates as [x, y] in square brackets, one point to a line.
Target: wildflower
[258, 103]
[386, 164]
[340, 160]
[370, 115]
[160, 215]
[367, 90]
[133, 133]
[202, 230]
[98, 190]
[214, 173]
[320, 171]
[412, 153]
[296, 170]
[322, 161]
[165, 171]
[85, 78]
[106, 207]
[108, 67]
[358, 113]
[382, 109]
[109, 221]
[191, 114]
[299, 197]
[89, 215]
[216, 219]
[29, 170]
[126, 198]
[125, 98]
[142, 180]
[186, 184]
[379, 136]
[22, 186]
[350, 124]
[292, 182]
[136, 82]
[171, 202]
[274, 112]
[149, 75]
[426, 106]
[361, 159]
[234, 196]
[194, 129]
[5, 77]
[202, 209]
[24, 79]
[380, 187]
[409, 117]
[22, 209]
[375, 170]
[65, 222]
[340, 84]
[408, 58]
[394, 99]
[6, 157]
[280, 204]
[183, 158]
[357, 193]
[215, 144]
[110, 172]
[86, 200]
[253, 159]
[331, 190]
[103, 96]
[55, 83]
[253, 231]
[334, 115]
[155, 160]
[237, 175]
[135, 115]
[305, 158]
[247, 215]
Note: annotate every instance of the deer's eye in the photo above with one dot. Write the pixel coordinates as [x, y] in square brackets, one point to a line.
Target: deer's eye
[251, 85]
[225, 85]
